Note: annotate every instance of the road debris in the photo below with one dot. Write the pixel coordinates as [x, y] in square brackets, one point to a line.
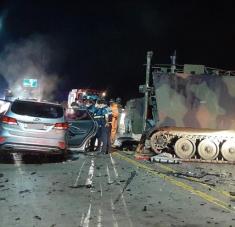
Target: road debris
[232, 193]
[191, 177]
[81, 186]
[165, 158]
[37, 217]
[145, 208]
[133, 174]
[24, 191]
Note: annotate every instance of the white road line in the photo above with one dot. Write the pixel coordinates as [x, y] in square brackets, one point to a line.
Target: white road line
[90, 173]
[115, 223]
[87, 218]
[99, 219]
[76, 182]
[108, 174]
[122, 196]
[82, 220]
[114, 167]
[17, 157]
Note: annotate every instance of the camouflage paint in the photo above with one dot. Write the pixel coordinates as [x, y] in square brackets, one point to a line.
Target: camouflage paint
[197, 101]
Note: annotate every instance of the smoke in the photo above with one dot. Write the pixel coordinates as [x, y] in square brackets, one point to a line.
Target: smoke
[30, 58]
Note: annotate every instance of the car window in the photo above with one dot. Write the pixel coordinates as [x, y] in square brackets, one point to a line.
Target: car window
[34, 109]
[77, 114]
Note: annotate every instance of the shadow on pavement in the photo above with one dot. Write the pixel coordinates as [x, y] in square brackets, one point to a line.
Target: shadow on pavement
[14, 158]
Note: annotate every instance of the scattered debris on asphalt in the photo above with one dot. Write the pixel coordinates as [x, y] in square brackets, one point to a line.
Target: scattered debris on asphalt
[81, 186]
[145, 208]
[24, 191]
[133, 174]
[198, 175]
[112, 182]
[190, 177]
[37, 217]
[165, 158]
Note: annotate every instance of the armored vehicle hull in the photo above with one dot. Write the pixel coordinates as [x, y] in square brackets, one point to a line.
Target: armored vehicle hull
[195, 113]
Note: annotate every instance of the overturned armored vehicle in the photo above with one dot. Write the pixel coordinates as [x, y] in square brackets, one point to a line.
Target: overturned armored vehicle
[195, 112]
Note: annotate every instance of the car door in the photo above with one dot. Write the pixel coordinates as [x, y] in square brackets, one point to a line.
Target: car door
[82, 127]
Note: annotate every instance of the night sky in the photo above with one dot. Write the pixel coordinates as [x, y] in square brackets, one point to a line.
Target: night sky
[103, 44]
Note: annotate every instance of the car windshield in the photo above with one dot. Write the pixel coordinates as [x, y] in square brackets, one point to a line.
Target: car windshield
[37, 109]
[77, 114]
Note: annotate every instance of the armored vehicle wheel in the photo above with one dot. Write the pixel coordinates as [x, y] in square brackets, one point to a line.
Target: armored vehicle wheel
[185, 148]
[158, 142]
[208, 150]
[228, 150]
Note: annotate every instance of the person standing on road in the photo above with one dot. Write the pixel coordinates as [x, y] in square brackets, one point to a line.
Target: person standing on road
[114, 124]
[101, 115]
[92, 109]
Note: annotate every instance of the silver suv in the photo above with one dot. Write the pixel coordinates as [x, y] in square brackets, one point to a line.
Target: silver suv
[30, 126]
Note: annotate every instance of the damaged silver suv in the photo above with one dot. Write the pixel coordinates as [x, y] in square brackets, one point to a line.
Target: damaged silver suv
[31, 126]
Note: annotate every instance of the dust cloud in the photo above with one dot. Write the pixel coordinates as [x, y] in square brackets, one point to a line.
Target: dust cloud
[30, 59]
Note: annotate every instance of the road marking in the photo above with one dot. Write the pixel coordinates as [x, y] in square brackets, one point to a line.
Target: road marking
[87, 218]
[114, 167]
[82, 219]
[173, 181]
[222, 192]
[108, 174]
[115, 223]
[99, 219]
[90, 173]
[122, 196]
[79, 174]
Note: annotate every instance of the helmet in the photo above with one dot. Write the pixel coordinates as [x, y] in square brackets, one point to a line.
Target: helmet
[111, 101]
[101, 100]
[118, 100]
[94, 97]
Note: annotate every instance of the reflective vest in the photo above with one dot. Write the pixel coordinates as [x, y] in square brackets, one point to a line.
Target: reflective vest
[115, 111]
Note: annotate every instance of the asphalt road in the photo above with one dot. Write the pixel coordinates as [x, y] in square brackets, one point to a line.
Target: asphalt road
[113, 190]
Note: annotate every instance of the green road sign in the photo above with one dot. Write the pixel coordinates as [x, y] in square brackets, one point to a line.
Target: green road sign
[30, 83]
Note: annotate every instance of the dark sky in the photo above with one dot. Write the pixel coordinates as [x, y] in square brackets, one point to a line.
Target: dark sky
[103, 44]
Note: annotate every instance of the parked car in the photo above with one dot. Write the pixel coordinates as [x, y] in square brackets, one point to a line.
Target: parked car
[31, 126]
[82, 128]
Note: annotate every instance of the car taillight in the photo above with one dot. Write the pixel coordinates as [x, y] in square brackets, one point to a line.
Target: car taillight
[8, 120]
[2, 139]
[63, 125]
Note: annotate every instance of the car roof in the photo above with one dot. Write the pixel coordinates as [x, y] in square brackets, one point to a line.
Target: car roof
[36, 101]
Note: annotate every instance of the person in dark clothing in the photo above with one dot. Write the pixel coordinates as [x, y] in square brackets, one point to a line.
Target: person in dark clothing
[101, 115]
[75, 103]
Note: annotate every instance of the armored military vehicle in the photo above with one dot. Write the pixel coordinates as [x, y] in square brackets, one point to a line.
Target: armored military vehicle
[194, 112]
